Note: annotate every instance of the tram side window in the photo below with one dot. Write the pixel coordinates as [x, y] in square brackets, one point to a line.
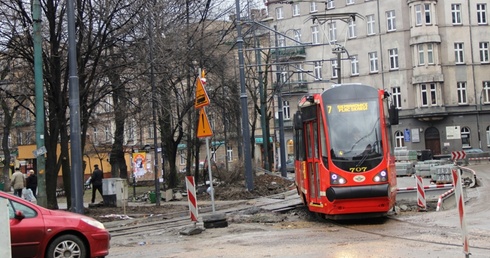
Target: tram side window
[299, 147]
[323, 145]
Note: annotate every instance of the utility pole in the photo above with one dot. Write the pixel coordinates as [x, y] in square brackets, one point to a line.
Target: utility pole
[75, 137]
[39, 100]
[282, 144]
[244, 103]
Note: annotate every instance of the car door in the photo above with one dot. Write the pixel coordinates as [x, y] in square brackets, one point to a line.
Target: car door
[27, 234]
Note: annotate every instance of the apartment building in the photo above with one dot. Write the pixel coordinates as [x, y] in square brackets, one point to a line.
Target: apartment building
[432, 56]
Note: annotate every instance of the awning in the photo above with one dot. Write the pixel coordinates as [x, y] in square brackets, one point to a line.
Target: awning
[260, 140]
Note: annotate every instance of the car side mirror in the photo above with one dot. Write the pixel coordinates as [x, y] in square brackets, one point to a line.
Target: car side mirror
[19, 215]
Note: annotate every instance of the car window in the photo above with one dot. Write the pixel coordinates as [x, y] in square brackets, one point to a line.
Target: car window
[28, 212]
[11, 210]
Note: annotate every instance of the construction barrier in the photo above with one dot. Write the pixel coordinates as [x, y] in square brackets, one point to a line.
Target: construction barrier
[458, 191]
[421, 203]
[439, 201]
[425, 187]
[191, 195]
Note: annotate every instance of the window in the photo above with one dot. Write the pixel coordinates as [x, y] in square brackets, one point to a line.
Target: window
[428, 94]
[315, 35]
[430, 53]
[350, 2]
[396, 97]
[456, 13]
[334, 69]
[400, 139]
[461, 93]
[370, 24]
[284, 74]
[296, 11]
[286, 110]
[421, 54]
[373, 62]
[279, 13]
[458, 53]
[281, 40]
[481, 13]
[484, 52]
[229, 153]
[488, 136]
[299, 73]
[213, 153]
[297, 36]
[486, 92]
[418, 14]
[393, 54]
[465, 137]
[332, 32]
[150, 131]
[427, 15]
[318, 71]
[354, 65]
[330, 4]
[131, 130]
[313, 7]
[390, 19]
[107, 131]
[19, 138]
[352, 29]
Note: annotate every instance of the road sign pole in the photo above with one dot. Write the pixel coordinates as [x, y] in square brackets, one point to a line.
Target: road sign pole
[210, 174]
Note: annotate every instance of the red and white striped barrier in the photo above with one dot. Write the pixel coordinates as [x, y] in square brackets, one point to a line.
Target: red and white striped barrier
[191, 196]
[442, 196]
[425, 187]
[421, 203]
[458, 191]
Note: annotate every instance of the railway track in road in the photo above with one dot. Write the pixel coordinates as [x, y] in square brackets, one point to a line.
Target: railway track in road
[274, 203]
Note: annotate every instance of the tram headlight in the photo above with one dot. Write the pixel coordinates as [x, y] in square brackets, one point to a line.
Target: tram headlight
[336, 179]
[381, 176]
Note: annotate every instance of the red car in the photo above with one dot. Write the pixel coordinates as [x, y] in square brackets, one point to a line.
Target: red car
[39, 232]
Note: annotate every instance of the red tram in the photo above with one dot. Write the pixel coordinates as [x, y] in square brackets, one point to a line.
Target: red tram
[343, 152]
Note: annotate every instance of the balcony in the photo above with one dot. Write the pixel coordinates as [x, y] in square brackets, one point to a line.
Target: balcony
[290, 52]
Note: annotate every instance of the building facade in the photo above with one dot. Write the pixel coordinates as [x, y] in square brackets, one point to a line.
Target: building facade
[432, 56]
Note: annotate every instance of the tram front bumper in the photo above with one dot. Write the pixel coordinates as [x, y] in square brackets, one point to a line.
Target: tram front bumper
[356, 192]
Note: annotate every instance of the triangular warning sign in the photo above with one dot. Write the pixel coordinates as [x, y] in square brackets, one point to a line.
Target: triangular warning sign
[203, 128]
[202, 98]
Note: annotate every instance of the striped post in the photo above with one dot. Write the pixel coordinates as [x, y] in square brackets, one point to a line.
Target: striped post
[460, 201]
[191, 195]
[420, 194]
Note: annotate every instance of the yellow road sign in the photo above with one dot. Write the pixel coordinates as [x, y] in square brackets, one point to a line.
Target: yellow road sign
[203, 128]
[202, 98]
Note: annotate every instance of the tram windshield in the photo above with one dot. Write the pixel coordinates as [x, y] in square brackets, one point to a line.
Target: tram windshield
[355, 135]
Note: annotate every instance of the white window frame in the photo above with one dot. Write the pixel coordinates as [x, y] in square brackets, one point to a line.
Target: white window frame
[396, 97]
[373, 62]
[330, 4]
[456, 14]
[286, 110]
[107, 131]
[300, 74]
[488, 136]
[420, 50]
[427, 14]
[430, 53]
[352, 29]
[484, 52]
[371, 25]
[399, 139]
[390, 21]
[313, 7]
[296, 10]
[349, 2]
[486, 92]
[315, 35]
[94, 132]
[297, 36]
[481, 14]
[332, 32]
[428, 94]
[393, 54]
[229, 153]
[418, 14]
[354, 65]
[279, 13]
[318, 70]
[335, 73]
[462, 95]
[459, 52]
